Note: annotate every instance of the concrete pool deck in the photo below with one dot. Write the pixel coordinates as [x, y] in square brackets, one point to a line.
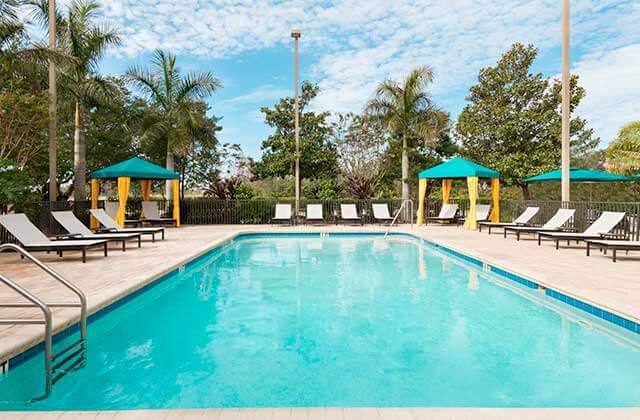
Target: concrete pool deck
[596, 280]
[340, 414]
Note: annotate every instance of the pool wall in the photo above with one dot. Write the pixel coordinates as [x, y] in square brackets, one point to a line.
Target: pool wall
[155, 281]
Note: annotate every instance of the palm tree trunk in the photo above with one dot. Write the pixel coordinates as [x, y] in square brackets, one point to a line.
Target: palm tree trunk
[79, 156]
[170, 166]
[405, 168]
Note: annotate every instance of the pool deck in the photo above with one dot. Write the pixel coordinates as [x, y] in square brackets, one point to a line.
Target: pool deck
[339, 414]
[596, 280]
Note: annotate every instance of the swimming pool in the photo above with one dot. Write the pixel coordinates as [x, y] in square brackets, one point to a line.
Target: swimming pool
[344, 320]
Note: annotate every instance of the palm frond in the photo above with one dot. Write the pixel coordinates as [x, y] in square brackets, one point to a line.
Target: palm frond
[196, 85]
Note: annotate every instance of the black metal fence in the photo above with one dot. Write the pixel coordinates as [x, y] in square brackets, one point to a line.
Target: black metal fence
[261, 211]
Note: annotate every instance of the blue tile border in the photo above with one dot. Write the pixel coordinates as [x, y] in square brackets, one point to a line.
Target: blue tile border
[73, 329]
[578, 304]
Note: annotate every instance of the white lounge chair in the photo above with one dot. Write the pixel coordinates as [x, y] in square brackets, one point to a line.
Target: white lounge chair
[448, 213]
[349, 213]
[151, 214]
[554, 224]
[607, 221]
[614, 245]
[381, 212]
[110, 225]
[32, 239]
[112, 207]
[526, 216]
[283, 213]
[77, 230]
[314, 213]
[482, 212]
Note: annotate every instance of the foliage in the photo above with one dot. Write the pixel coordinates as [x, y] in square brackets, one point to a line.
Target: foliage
[360, 142]
[23, 120]
[84, 42]
[513, 120]
[317, 152]
[178, 124]
[623, 154]
[409, 114]
[16, 186]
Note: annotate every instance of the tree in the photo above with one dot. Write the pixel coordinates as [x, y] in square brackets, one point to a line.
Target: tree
[409, 114]
[317, 153]
[84, 42]
[623, 154]
[513, 120]
[361, 143]
[175, 96]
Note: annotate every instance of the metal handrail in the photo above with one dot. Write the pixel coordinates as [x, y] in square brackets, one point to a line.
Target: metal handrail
[81, 296]
[395, 218]
[48, 359]
[45, 307]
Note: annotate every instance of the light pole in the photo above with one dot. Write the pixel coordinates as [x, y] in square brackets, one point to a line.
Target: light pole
[295, 34]
[53, 172]
[566, 103]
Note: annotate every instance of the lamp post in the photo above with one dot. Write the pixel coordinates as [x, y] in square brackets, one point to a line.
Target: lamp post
[566, 103]
[53, 172]
[295, 34]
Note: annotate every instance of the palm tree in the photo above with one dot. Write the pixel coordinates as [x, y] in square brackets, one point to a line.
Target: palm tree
[84, 42]
[623, 154]
[408, 113]
[174, 95]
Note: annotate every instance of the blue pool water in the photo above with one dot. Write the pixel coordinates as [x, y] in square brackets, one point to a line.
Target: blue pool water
[339, 321]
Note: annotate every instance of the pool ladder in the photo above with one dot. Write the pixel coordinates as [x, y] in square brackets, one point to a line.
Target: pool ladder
[395, 218]
[56, 365]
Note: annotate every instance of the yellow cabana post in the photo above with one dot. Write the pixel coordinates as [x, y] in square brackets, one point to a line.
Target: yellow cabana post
[495, 198]
[176, 201]
[145, 186]
[447, 184]
[422, 193]
[124, 183]
[472, 183]
[95, 194]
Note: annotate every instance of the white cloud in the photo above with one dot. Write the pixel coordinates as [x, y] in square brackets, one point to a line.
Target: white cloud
[260, 95]
[354, 44]
[612, 82]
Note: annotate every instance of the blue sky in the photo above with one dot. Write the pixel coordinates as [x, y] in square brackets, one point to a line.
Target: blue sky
[350, 46]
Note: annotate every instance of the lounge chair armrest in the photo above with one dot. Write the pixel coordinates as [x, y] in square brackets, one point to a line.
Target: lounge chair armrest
[615, 236]
[106, 230]
[570, 230]
[68, 236]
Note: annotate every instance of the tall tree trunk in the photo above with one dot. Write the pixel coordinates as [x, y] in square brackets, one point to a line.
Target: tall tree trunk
[170, 166]
[405, 169]
[526, 195]
[79, 156]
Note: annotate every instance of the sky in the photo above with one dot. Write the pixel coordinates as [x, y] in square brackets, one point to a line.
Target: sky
[348, 47]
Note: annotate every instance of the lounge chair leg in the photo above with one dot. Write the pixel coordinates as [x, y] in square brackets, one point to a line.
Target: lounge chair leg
[163, 234]
[539, 239]
[614, 254]
[588, 249]
[153, 237]
[140, 241]
[557, 244]
[105, 249]
[84, 255]
[518, 236]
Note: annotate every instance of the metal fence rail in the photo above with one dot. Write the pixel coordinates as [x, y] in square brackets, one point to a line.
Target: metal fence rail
[261, 211]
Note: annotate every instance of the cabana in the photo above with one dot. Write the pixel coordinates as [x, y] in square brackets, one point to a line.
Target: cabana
[588, 176]
[138, 169]
[459, 168]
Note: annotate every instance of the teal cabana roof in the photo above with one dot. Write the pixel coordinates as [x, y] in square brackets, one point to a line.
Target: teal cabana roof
[458, 168]
[136, 168]
[579, 175]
